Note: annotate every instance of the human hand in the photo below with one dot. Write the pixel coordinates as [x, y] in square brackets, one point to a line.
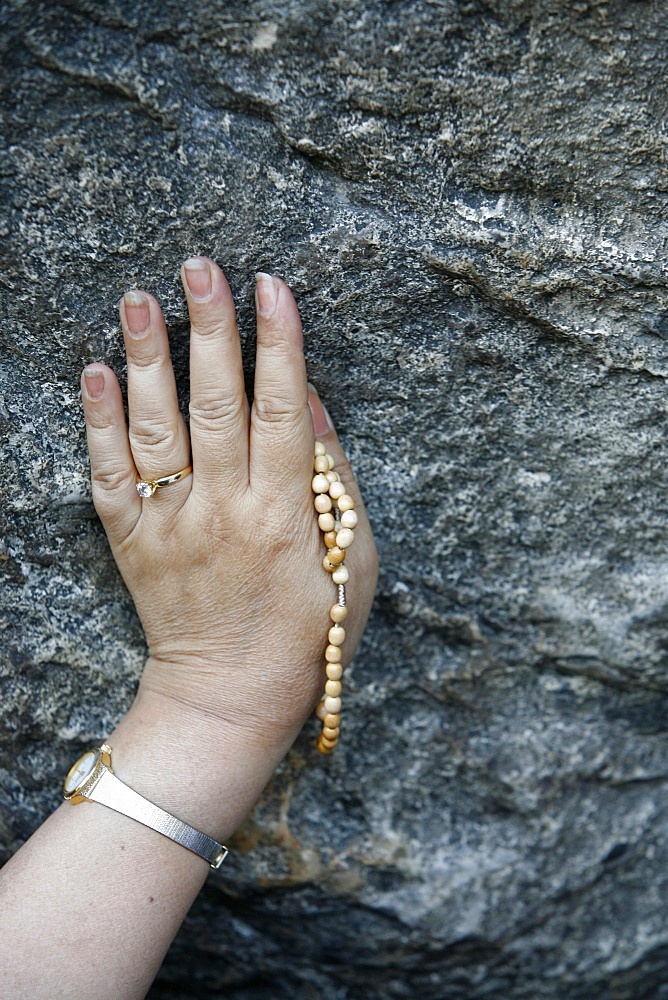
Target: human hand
[225, 566]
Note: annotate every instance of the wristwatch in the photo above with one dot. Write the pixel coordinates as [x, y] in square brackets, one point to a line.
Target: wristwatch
[92, 779]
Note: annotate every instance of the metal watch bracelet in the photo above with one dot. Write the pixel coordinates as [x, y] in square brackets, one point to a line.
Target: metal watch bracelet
[92, 779]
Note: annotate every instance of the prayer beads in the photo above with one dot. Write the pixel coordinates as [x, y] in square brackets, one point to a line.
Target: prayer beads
[336, 519]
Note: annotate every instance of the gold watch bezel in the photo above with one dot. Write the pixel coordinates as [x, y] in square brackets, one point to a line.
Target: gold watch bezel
[102, 760]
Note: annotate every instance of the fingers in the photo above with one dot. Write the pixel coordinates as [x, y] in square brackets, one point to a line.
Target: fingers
[218, 404]
[274, 448]
[158, 434]
[281, 435]
[113, 471]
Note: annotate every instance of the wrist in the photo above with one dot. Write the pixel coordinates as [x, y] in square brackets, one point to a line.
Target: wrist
[205, 773]
[223, 697]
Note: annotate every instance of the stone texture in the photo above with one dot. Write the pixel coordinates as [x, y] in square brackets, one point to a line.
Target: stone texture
[469, 200]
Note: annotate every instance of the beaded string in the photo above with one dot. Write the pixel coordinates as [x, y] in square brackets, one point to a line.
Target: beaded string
[336, 520]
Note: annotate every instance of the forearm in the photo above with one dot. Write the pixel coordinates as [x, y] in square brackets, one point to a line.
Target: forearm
[110, 892]
[227, 558]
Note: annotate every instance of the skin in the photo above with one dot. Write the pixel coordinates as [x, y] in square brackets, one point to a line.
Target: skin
[225, 570]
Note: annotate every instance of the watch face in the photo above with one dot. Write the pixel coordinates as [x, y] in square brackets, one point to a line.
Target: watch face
[80, 771]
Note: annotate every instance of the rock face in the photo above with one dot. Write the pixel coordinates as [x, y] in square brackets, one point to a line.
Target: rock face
[469, 200]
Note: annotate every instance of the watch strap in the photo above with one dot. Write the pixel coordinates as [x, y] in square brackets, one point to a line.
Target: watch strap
[110, 791]
[114, 793]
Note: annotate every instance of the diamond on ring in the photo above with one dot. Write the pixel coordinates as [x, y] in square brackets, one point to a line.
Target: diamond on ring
[147, 488]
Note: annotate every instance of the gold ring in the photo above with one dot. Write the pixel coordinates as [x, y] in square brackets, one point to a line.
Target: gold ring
[146, 488]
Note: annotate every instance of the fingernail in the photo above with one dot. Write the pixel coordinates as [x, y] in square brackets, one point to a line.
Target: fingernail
[266, 294]
[94, 382]
[137, 313]
[198, 277]
[322, 422]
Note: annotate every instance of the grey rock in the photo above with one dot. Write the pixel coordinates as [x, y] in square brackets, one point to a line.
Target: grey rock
[469, 201]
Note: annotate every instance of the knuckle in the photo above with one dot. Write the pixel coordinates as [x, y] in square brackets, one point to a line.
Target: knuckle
[146, 360]
[275, 343]
[210, 409]
[147, 435]
[275, 409]
[214, 327]
[101, 422]
[108, 481]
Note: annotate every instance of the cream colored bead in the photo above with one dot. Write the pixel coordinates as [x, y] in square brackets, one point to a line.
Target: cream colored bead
[323, 503]
[320, 483]
[320, 448]
[320, 710]
[331, 734]
[330, 460]
[332, 477]
[349, 519]
[333, 654]
[326, 522]
[337, 613]
[320, 464]
[324, 747]
[337, 635]
[336, 555]
[341, 574]
[344, 502]
[332, 720]
[333, 705]
[336, 490]
[333, 689]
[329, 538]
[345, 537]
[334, 671]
